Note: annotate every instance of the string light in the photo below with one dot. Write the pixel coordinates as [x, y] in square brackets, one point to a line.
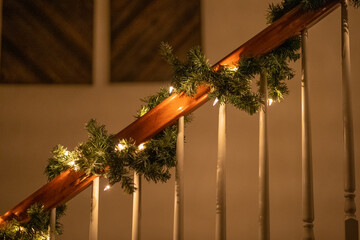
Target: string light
[234, 69]
[107, 187]
[270, 101]
[73, 165]
[171, 89]
[141, 147]
[121, 146]
[215, 101]
[66, 153]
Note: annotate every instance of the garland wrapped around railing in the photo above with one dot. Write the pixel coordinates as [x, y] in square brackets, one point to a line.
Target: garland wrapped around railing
[233, 84]
[35, 229]
[104, 155]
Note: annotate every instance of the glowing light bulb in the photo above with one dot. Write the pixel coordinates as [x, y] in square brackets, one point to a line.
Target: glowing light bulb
[66, 153]
[171, 89]
[270, 101]
[141, 147]
[121, 146]
[107, 187]
[215, 101]
[234, 69]
[72, 163]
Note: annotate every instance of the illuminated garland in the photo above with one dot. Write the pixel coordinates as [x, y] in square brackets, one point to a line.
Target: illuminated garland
[152, 159]
[35, 229]
[155, 158]
[233, 84]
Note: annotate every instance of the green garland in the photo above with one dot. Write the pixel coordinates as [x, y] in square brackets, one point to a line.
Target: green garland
[233, 85]
[102, 150]
[276, 11]
[37, 228]
[226, 85]
[154, 161]
[123, 157]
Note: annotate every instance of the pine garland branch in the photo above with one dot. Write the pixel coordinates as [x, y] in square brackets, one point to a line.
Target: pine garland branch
[234, 85]
[37, 228]
[276, 11]
[104, 155]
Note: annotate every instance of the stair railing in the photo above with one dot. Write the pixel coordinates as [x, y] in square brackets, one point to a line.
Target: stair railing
[70, 183]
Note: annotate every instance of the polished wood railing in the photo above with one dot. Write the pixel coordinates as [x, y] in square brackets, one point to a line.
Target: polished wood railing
[68, 184]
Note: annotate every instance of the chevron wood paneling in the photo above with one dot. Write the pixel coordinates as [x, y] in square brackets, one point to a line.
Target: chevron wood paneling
[137, 29]
[47, 41]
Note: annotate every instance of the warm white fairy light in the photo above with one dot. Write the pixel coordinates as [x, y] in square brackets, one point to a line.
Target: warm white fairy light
[107, 187]
[234, 69]
[270, 101]
[215, 101]
[141, 147]
[171, 89]
[121, 146]
[66, 153]
[73, 165]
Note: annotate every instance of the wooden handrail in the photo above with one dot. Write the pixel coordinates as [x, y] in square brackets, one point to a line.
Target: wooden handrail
[68, 184]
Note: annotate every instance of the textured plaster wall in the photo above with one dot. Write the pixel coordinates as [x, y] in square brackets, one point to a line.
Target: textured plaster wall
[35, 118]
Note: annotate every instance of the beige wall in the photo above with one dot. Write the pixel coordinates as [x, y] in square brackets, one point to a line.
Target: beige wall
[35, 118]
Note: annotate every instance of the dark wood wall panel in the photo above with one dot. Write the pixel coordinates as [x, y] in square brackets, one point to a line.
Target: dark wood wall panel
[47, 41]
[137, 29]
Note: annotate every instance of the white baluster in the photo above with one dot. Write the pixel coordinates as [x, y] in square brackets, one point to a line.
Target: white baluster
[94, 212]
[178, 233]
[136, 217]
[220, 227]
[52, 224]
[307, 171]
[264, 211]
[351, 223]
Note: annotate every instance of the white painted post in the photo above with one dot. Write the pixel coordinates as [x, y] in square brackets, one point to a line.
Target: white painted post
[52, 224]
[94, 212]
[136, 217]
[351, 223]
[178, 233]
[264, 211]
[101, 43]
[307, 170]
[220, 225]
